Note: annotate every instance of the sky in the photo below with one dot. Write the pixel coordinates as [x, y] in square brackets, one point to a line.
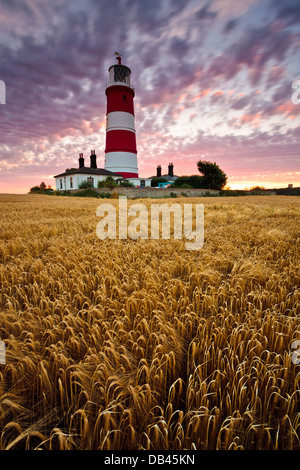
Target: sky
[213, 81]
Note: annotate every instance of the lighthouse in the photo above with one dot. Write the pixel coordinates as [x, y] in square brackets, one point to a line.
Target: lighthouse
[120, 146]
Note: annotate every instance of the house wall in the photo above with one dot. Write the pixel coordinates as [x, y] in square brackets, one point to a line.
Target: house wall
[137, 182]
[58, 185]
[83, 178]
[77, 180]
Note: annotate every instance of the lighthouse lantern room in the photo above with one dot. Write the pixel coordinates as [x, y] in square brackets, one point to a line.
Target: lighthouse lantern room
[120, 148]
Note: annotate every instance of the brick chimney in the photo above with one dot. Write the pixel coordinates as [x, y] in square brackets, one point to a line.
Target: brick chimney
[158, 171]
[170, 169]
[81, 160]
[93, 160]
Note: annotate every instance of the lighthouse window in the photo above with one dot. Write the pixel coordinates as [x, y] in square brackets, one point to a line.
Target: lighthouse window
[121, 74]
[124, 97]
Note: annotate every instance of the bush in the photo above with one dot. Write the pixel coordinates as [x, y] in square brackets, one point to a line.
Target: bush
[85, 185]
[35, 189]
[109, 182]
[104, 195]
[156, 180]
[65, 193]
[257, 188]
[126, 184]
[232, 192]
[88, 192]
[193, 181]
[41, 189]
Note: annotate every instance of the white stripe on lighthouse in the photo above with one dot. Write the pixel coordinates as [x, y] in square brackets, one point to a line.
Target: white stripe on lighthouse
[121, 162]
[120, 120]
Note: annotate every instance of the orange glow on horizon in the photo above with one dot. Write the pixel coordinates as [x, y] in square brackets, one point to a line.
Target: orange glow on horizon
[24, 189]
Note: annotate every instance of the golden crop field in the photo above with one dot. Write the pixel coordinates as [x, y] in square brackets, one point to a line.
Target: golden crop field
[142, 344]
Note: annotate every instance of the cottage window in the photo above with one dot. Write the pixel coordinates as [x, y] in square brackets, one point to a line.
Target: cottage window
[90, 181]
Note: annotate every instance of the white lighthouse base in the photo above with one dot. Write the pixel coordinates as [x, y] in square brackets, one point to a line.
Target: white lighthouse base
[122, 162]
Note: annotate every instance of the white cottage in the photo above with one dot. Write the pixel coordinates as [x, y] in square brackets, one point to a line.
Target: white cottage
[73, 177]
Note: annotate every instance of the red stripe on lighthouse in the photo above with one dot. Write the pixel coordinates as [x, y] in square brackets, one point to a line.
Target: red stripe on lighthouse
[128, 175]
[120, 140]
[120, 98]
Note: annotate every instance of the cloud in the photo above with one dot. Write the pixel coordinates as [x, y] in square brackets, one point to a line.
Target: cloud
[230, 25]
[205, 14]
[289, 11]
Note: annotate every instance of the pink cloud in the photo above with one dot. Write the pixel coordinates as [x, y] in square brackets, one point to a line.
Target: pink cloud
[255, 119]
[287, 108]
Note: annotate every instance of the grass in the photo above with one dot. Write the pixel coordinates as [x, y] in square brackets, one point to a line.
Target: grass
[123, 344]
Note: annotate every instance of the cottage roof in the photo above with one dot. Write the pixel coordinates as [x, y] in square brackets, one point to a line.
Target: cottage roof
[87, 171]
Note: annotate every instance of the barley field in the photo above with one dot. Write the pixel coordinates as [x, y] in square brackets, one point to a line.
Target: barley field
[142, 344]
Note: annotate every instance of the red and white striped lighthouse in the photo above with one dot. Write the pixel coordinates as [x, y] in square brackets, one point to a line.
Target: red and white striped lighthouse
[120, 148]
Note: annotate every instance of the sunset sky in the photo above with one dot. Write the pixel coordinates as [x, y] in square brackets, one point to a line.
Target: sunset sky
[213, 81]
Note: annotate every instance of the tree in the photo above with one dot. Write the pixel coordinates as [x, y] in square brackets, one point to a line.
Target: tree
[213, 177]
[42, 189]
[35, 189]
